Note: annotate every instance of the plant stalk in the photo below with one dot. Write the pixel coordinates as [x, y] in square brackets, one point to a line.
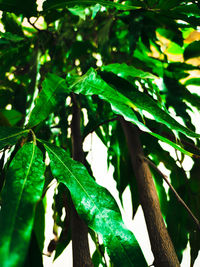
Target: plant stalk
[80, 245]
[161, 244]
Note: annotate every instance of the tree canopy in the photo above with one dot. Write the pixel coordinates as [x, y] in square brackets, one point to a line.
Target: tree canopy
[127, 71]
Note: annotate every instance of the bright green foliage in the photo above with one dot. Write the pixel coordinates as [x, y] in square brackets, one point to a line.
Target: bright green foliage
[22, 191]
[97, 207]
[106, 59]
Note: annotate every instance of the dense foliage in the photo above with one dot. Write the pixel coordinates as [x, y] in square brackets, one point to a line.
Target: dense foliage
[109, 60]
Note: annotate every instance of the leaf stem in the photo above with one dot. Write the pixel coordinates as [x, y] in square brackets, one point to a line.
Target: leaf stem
[33, 24]
[34, 137]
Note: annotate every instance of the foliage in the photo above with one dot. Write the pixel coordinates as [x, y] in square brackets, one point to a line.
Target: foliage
[135, 59]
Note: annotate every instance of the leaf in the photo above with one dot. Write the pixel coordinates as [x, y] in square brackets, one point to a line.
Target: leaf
[9, 136]
[53, 4]
[123, 70]
[51, 94]
[193, 81]
[146, 103]
[91, 84]
[11, 37]
[13, 116]
[25, 7]
[12, 26]
[34, 255]
[192, 50]
[78, 11]
[22, 190]
[97, 207]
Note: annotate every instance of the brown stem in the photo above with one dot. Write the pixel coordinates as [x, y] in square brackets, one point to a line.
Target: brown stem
[79, 230]
[161, 244]
[175, 193]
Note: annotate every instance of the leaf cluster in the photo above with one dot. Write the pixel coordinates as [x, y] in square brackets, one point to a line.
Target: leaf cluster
[133, 59]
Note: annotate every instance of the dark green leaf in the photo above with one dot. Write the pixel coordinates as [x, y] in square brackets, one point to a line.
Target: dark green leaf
[97, 207]
[193, 81]
[12, 26]
[34, 256]
[53, 88]
[52, 4]
[192, 50]
[123, 70]
[27, 8]
[22, 190]
[13, 116]
[11, 37]
[9, 136]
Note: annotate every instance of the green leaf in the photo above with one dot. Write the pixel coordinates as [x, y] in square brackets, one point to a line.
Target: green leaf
[193, 81]
[192, 50]
[53, 88]
[13, 116]
[12, 26]
[22, 190]
[9, 136]
[78, 11]
[25, 7]
[53, 4]
[97, 207]
[11, 37]
[123, 70]
[91, 84]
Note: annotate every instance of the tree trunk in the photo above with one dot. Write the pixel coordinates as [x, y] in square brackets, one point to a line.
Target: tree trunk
[80, 245]
[161, 244]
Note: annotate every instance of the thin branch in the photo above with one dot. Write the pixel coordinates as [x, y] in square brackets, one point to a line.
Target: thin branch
[33, 24]
[184, 142]
[174, 191]
[100, 250]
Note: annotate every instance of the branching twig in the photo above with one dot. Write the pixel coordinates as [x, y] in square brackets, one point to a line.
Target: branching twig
[33, 24]
[174, 191]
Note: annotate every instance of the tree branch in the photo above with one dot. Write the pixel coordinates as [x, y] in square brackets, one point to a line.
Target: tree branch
[174, 191]
[33, 24]
[161, 244]
[80, 245]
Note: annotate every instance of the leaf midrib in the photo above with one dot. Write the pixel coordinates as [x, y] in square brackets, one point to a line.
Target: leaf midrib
[13, 135]
[89, 198]
[22, 189]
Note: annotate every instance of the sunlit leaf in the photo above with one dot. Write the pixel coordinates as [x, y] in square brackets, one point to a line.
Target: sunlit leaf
[22, 190]
[97, 207]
